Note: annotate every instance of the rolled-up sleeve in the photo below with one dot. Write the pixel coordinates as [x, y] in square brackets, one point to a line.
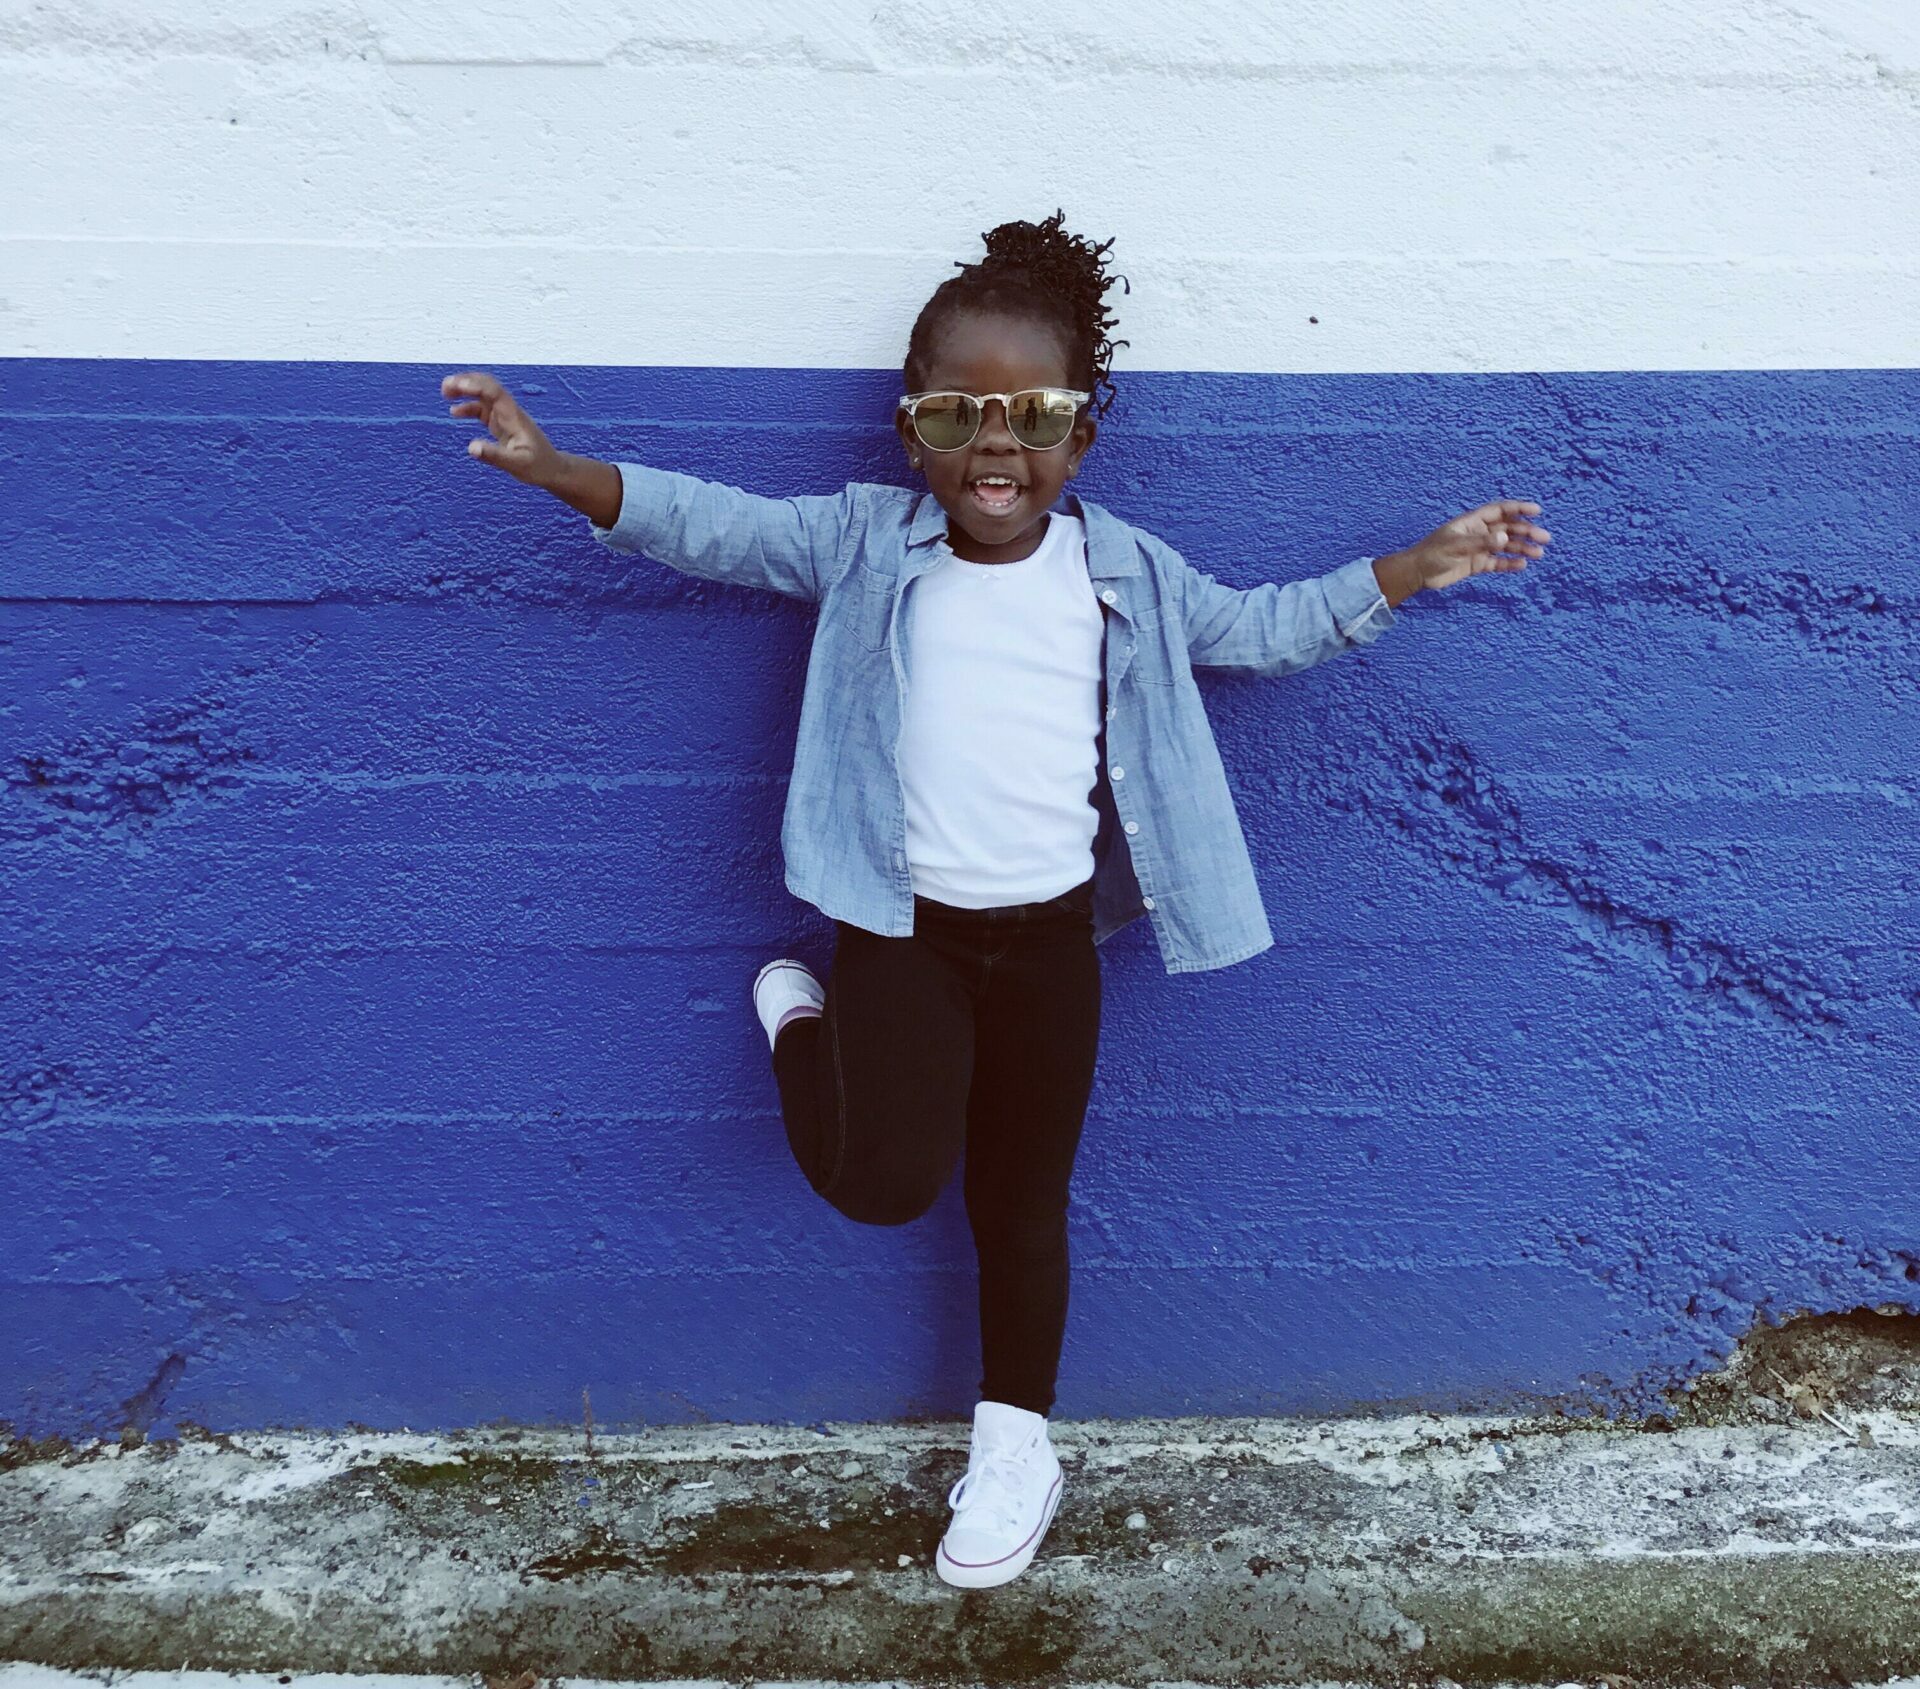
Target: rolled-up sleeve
[721, 533]
[1280, 627]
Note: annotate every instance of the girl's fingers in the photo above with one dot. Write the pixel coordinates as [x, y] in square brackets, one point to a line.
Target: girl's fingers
[1502, 510]
[502, 419]
[474, 381]
[1516, 536]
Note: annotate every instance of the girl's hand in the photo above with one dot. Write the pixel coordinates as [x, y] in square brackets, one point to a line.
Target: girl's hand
[518, 446]
[1496, 536]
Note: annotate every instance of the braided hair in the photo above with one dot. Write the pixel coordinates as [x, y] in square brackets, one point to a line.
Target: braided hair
[1041, 273]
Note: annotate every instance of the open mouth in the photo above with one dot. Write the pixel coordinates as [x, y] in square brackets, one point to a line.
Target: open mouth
[995, 494]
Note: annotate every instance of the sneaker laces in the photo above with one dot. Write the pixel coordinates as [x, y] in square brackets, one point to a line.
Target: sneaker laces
[992, 1483]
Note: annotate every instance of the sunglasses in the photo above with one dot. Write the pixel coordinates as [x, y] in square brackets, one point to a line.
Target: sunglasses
[1040, 418]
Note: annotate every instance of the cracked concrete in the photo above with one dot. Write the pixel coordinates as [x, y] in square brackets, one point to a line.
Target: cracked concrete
[49, 1677]
[1765, 1527]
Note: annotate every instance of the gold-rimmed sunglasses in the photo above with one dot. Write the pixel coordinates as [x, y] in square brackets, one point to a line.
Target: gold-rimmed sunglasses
[1040, 418]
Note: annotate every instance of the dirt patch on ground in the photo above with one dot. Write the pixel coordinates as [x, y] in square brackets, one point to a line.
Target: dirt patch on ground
[1814, 1367]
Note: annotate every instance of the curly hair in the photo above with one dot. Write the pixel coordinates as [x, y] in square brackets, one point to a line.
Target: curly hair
[1040, 272]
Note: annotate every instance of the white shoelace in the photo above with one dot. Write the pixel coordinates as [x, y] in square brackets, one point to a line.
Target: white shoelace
[992, 1484]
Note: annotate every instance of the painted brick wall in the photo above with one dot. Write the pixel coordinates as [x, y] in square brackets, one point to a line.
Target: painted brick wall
[382, 863]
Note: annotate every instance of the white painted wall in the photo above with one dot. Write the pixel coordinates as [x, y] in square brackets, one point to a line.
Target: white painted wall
[1444, 184]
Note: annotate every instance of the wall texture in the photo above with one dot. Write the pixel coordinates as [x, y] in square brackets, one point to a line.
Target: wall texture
[383, 864]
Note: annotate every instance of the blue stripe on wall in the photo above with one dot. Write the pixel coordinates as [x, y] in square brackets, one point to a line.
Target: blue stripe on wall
[384, 864]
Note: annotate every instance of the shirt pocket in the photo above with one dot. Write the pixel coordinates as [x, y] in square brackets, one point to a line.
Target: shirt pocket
[869, 605]
[1159, 646]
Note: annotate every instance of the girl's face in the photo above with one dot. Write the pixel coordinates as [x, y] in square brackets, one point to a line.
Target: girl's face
[995, 354]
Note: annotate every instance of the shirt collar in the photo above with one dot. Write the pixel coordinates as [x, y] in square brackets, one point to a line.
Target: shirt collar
[929, 521]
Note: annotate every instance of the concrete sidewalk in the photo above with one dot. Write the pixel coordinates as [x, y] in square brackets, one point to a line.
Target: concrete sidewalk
[53, 1677]
[1783, 1546]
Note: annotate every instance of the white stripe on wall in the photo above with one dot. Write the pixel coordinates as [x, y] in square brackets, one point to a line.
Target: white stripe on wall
[1456, 185]
[569, 305]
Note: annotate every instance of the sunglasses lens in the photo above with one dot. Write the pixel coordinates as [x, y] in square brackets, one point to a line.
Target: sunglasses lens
[947, 421]
[1040, 418]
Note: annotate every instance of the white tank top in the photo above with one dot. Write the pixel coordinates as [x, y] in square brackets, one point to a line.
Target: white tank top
[998, 753]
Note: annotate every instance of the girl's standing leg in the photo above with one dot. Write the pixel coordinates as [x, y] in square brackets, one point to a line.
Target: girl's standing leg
[1036, 1036]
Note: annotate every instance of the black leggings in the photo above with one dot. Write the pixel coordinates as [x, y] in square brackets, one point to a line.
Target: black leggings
[978, 1031]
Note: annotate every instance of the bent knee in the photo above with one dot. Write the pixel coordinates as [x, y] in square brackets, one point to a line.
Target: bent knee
[894, 1206]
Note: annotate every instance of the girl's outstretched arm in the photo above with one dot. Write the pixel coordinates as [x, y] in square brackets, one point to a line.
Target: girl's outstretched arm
[699, 527]
[1278, 628]
[1281, 627]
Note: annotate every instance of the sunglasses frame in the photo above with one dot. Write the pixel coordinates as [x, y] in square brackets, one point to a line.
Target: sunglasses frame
[911, 402]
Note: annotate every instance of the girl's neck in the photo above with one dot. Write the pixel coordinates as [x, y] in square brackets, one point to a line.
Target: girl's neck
[1016, 550]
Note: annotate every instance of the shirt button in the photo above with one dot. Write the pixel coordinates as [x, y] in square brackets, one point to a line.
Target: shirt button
[1146, 903]
[1110, 710]
[1119, 774]
[1133, 826]
[1108, 596]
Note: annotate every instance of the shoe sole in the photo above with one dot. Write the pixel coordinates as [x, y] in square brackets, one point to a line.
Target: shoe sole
[1001, 1571]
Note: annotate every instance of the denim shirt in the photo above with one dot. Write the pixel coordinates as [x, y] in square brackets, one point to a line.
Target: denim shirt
[1168, 844]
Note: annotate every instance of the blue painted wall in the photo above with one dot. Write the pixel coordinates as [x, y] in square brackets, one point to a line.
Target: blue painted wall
[383, 863]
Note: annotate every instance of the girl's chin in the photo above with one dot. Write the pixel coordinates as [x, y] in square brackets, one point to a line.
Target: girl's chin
[986, 523]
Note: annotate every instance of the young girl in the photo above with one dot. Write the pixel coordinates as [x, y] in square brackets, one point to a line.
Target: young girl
[1002, 759]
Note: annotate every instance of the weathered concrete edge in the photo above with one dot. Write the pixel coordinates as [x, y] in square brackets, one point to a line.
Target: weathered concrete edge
[1832, 1619]
[18, 1676]
[1341, 1598]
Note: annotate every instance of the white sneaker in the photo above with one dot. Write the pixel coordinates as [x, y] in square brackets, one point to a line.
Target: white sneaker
[784, 990]
[1006, 1500]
